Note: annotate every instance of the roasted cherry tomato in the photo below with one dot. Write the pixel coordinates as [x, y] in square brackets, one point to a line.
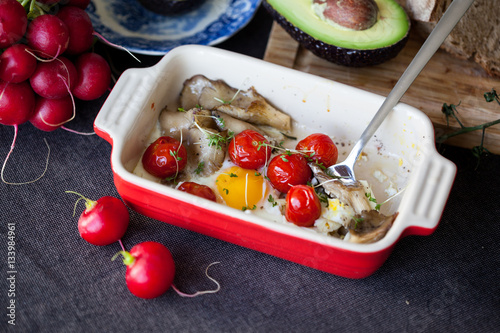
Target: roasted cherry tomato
[198, 190]
[165, 157]
[249, 150]
[285, 170]
[320, 148]
[302, 206]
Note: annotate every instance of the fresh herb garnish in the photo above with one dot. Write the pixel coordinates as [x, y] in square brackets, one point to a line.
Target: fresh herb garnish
[244, 208]
[271, 200]
[357, 220]
[199, 168]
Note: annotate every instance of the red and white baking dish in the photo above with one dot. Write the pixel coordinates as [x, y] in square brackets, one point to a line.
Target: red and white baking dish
[130, 113]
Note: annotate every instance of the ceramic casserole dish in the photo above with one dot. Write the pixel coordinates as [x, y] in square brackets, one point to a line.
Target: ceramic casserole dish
[403, 149]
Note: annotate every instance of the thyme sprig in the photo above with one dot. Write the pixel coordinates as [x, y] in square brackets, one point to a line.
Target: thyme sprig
[451, 111]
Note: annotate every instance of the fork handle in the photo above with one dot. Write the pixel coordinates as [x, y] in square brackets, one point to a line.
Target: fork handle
[445, 25]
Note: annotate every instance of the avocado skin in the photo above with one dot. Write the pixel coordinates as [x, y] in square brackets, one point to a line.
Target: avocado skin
[170, 7]
[338, 55]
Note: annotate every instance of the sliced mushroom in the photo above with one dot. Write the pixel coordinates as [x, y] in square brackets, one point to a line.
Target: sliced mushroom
[370, 226]
[174, 122]
[353, 194]
[204, 157]
[229, 123]
[259, 114]
[246, 105]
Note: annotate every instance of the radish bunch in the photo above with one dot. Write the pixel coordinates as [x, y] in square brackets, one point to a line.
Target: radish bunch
[46, 62]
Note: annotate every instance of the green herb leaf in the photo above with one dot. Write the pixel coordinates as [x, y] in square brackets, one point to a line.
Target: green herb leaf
[199, 168]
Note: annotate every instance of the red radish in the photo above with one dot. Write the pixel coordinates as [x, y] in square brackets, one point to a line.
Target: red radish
[17, 102]
[79, 27]
[49, 35]
[50, 114]
[150, 269]
[16, 64]
[13, 22]
[78, 3]
[94, 76]
[104, 221]
[50, 79]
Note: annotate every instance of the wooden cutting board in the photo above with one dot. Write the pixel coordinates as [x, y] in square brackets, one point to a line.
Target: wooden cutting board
[445, 79]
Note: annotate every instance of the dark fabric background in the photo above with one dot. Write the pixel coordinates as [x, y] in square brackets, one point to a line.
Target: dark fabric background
[446, 282]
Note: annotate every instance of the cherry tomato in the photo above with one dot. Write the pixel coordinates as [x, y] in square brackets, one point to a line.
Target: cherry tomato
[302, 206]
[285, 170]
[320, 148]
[247, 151]
[104, 221]
[198, 189]
[150, 269]
[165, 157]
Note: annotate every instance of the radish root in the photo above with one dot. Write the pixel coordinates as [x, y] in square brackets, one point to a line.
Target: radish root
[201, 292]
[115, 45]
[77, 132]
[10, 152]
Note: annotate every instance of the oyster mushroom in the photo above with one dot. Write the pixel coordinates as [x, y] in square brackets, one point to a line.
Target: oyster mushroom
[370, 226]
[198, 131]
[246, 105]
[367, 225]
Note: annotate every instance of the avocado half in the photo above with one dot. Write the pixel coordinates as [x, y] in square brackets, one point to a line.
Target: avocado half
[372, 46]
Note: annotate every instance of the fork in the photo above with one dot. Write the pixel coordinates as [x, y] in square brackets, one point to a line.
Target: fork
[345, 170]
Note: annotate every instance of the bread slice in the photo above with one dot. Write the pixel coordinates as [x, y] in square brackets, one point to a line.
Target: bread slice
[476, 37]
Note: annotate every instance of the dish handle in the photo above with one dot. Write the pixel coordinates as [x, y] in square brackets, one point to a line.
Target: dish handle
[428, 194]
[132, 89]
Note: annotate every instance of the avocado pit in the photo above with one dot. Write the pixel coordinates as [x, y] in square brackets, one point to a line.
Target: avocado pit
[351, 14]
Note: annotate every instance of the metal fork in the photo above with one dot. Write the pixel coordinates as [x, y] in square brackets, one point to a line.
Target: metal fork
[345, 169]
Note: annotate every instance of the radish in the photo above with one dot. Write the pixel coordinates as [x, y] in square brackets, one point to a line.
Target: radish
[80, 29]
[13, 22]
[50, 114]
[16, 64]
[104, 221]
[94, 76]
[54, 79]
[17, 102]
[49, 35]
[151, 270]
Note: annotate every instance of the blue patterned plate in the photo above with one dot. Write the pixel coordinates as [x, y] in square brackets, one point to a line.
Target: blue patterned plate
[128, 24]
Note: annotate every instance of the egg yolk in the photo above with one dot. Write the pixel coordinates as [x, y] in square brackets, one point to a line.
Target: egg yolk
[241, 188]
